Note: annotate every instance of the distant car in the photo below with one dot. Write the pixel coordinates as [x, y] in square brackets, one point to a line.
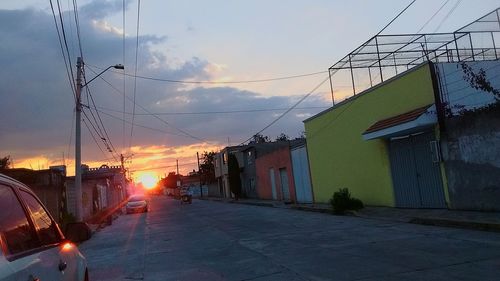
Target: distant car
[137, 203]
[32, 246]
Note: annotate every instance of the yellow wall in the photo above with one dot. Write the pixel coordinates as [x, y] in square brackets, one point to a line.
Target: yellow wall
[338, 155]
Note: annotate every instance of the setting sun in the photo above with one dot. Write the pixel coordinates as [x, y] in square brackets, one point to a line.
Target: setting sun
[148, 180]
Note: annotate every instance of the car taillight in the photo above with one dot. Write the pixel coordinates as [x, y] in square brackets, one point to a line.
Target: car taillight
[67, 246]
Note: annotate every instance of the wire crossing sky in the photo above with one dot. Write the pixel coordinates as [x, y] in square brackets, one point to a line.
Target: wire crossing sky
[197, 73]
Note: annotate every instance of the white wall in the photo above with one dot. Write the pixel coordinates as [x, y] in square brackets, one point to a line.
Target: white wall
[457, 90]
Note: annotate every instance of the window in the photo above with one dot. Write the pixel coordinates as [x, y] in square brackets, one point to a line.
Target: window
[14, 226]
[45, 227]
[136, 198]
[224, 158]
[249, 157]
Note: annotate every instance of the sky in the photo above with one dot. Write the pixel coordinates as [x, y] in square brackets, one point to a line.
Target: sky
[217, 41]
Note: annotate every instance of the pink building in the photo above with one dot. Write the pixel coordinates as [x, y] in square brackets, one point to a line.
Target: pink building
[275, 176]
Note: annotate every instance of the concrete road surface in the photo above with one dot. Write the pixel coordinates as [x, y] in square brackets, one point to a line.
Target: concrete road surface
[219, 241]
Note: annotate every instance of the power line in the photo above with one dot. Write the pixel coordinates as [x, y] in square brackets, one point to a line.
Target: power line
[447, 15]
[321, 83]
[135, 70]
[142, 126]
[229, 82]
[71, 132]
[397, 16]
[100, 120]
[219, 82]
[124, 81]
[101, 134]
[156, 116]
[103, 139]
[164, 167]
[215, 112]
[332, 120]
[93, 137]
[289, 109]
[77, 21]
[104, 132]
[68, 69]
[432, 17]
[460, 70]
[72, 39]
[107, 160]
[66, 44]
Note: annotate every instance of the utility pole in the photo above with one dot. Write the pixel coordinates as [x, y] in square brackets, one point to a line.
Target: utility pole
[177, 161]
[78, 139]
[122, 160]
[78, 133]
[199, 173]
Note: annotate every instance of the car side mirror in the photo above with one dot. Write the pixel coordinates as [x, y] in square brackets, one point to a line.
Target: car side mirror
[77, 232]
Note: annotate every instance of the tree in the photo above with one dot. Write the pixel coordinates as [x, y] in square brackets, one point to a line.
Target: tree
[479, 81]
[207, 167]
[282, 137]
[5, 163]
[259, 138]
[170, 181]
[234, 176]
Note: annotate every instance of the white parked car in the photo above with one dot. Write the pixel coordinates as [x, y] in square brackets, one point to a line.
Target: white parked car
[32, 246]
[137, 203]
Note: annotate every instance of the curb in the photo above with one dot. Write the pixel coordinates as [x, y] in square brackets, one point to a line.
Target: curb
[484, 226]
[311, 209]
[261, 204]
[462, 224]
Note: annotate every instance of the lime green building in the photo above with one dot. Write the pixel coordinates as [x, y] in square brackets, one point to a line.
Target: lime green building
[397, 142]
[340, 154]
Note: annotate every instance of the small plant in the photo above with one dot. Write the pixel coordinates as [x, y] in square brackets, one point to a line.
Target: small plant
[342, 201]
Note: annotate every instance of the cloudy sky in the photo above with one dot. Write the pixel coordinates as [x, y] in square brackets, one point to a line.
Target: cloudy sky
[219, 41]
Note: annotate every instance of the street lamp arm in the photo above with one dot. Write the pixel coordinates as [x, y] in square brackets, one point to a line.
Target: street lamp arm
[117, 66]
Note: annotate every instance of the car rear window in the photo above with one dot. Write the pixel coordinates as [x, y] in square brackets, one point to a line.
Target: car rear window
[46, 228]
[14, 226]
[136, 198]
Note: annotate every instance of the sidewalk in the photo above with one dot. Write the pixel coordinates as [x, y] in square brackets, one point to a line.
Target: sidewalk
[487, 221]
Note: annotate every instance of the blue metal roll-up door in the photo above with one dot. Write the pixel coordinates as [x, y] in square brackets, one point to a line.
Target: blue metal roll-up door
[416, 176]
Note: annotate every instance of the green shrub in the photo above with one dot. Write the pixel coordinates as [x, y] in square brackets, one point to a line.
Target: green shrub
[342, 201]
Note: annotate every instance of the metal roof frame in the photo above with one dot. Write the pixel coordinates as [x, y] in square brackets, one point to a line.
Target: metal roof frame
[409, 50]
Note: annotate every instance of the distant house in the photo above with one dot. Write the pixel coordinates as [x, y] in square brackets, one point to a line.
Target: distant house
[251, 155]
[103, 188]
[274, 174]
[221, 170]
[267, 170]
[193, 182]
[49, 185]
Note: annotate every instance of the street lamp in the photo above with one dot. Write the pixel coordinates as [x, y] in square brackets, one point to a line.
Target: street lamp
[78, 138]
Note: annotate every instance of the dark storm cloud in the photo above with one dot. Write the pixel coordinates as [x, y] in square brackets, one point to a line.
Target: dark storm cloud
[37, 104]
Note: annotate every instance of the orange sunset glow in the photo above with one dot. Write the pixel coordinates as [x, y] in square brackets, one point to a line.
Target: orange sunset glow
[147, 163]
[148, 179]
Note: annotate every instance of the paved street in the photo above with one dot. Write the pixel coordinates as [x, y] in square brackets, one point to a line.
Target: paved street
[219, 241]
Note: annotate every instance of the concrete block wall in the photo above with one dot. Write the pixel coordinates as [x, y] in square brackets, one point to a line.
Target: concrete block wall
[471, 152]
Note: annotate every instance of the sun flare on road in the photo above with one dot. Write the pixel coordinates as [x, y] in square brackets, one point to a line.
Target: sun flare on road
[148, 180]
